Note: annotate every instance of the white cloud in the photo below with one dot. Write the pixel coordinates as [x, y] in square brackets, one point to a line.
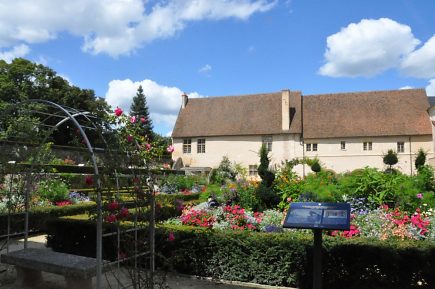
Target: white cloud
[113, 27]
[406, 87]
[205, 69]
[430, 89]
[421, 62]
[367, 48]
[16, 51]
[163, 101]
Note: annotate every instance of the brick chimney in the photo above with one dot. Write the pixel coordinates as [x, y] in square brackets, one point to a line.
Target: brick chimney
[285, 104]
[184, 100]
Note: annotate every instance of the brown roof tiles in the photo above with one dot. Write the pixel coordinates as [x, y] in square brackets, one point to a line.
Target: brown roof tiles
[375, 113]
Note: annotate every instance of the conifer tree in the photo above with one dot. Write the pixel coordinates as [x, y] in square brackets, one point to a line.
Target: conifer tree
[139, 109]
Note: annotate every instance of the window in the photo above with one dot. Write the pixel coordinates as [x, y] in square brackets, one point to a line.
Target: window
[343, 145]
[267, 141]
[253, 172]
[367, 146]
[400, 147]
[200, 146]
[187, 146]
[311, 147]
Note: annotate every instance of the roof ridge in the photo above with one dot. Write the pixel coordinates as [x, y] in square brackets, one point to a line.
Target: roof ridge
[365, 92]
[240, 95]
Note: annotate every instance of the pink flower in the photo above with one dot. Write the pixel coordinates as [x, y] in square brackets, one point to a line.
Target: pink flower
[89, 180]
[170, 149]
[420, 196]
[143, 120]
[118, 111]
[110, 218]
[129, 138]
[148, 146]
[171, 237]
[289, 199]
[133, 119]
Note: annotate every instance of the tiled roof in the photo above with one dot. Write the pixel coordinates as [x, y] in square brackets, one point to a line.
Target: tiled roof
[374, 113]
[231, 115]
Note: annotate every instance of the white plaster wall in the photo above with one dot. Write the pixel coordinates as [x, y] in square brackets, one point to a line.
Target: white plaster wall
[353, 157]
[244, 150]
[240, 149]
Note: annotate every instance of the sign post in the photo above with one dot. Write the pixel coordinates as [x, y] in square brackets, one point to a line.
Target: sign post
[318, 217]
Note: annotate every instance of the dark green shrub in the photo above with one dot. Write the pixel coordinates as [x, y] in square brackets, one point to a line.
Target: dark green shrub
[265, 193]
[390, 159]
[420, 159]
[315, 167]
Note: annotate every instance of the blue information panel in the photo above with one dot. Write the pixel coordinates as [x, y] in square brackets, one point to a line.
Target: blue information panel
[334, 216]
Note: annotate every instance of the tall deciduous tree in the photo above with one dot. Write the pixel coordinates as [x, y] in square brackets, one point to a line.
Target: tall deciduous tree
[139, 109]
[22, 79]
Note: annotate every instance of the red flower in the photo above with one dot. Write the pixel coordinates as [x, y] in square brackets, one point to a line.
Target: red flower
[143, 120]
[118, 111]
[113, 206]
[63, 203]
[123, 213]
[129, 138]
[110, 218]
[171, 237]
[89, 180]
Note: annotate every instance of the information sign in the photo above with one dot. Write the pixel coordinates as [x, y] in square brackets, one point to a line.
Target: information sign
[333, 216]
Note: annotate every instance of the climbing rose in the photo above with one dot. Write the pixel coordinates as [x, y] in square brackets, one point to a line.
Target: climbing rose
[112, 206]
[89, 180]
[171, 237]
[129, 138]
[111, 218]
[143, 120]
[170, 149]
[118, 111]
[123, 213]
[148, 146]
[133, 119]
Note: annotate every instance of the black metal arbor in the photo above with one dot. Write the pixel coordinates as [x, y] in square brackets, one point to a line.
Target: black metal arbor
[27, 131]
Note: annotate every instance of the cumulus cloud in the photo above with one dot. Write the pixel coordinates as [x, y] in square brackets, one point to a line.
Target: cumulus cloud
[406, 87]
[205, 69]
[367, 48]
[163, 101]
[430, 89]
[421, 62]
[16, 51]
[113, 27]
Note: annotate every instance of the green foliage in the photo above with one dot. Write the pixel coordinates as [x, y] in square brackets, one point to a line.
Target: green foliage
[53, 190]
[22, 79]
[265, 193]
[176, 183]
[288, 184]
[315, 167]
[420, 159]
[390, 159]
[224, 172]
[284, 259]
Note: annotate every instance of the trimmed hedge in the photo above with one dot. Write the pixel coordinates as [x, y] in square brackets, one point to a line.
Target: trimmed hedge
[39, 216]
[283, 259]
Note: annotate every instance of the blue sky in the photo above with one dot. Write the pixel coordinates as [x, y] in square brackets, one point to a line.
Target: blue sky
[223, 47]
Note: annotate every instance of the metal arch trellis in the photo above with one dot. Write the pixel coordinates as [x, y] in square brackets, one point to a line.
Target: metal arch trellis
[62, 115]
